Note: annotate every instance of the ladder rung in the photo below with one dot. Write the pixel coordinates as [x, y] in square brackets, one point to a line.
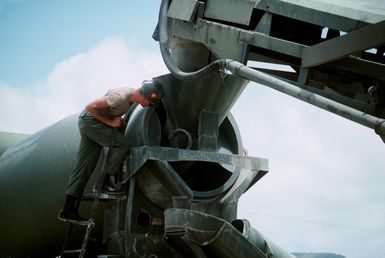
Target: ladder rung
[84, 223]
[104, 196]
[72, 251]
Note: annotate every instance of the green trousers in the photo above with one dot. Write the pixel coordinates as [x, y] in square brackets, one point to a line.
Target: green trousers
[94, 136]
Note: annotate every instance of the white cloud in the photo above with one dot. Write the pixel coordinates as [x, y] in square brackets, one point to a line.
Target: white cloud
[74, 82]
[324, 190]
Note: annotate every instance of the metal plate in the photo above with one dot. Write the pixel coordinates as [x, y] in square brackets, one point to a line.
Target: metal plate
[237, 11]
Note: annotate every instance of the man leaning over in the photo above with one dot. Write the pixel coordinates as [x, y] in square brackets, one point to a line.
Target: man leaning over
[97, 125]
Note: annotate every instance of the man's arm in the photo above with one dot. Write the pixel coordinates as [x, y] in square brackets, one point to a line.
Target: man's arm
[98, 104]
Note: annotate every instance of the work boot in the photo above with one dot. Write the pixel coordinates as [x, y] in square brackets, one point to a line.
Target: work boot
[109, 186]
[68, 212]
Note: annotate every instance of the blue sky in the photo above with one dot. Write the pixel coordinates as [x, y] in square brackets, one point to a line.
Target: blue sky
[324, 190]
[35, 35]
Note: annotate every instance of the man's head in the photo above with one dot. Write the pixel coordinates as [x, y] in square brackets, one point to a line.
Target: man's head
[151, 91]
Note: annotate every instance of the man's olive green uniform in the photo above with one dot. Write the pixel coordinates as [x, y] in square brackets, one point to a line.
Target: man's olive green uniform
[94, 136]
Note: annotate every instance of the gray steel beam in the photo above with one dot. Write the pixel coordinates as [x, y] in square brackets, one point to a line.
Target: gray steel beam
[303, 76]
[183, 9]
[318, 13]
[359, 66]
[271, 43]
[261, 57]
[228, 39]
[236, 11]
[352, 114]
[264, 24]
[337, 48]
[222, 40]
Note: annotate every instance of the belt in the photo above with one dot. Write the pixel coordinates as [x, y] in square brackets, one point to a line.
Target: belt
[84, 113]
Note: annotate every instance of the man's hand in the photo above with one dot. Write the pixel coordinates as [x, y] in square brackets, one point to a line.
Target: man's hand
[116, 122]
[101, 103]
